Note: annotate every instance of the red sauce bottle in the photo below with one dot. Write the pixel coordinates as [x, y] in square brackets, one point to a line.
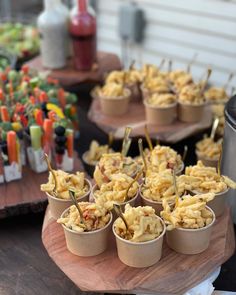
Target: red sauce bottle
[83, 34]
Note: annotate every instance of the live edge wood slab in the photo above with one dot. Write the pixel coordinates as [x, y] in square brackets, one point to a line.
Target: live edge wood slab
[135, 118]
[24, 195]
[173, 274]
[69, 76]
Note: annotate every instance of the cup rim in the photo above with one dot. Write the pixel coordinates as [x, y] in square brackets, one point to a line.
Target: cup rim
[202, 228]
[208, 159]
[127, 94]
[124, 203]
[89, 232]
[140, 243]
[146, 104]
[193, 105]
[217, 194]
[66, 200]
[149, 200]
[84, 159]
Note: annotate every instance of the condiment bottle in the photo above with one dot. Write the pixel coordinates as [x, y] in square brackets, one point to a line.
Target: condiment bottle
[83, 34]
[52, 25]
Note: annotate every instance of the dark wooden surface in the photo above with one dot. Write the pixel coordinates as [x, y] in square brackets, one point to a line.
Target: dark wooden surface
[135, 118]
[68, 76]
[173, 274]
[24, 195]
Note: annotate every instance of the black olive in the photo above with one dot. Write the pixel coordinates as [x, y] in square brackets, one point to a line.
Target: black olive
[60, 140]
[60, 130]
[60, 150]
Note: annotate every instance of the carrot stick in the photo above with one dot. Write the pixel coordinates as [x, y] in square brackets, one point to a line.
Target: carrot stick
[48, 132]
[43, 97]
[4, 114]
[70, 143]
[61, 97]
[1, 94]
[39, 117]
[11, 147]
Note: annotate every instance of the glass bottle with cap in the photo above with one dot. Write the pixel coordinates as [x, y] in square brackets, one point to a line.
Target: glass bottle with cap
[83, 34]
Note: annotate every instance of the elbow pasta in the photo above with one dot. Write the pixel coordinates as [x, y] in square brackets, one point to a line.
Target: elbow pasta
[164, 157]
[143, 224]
[159, 186]
[115, 191]
[95, 217]
[208, 179]
[66, 181]
[96, 151]
[191, 94]
[190, 212]
[161, 100]
[209, 148]
[156, 84]
[114, 163]
[214, 94]
[112, 90]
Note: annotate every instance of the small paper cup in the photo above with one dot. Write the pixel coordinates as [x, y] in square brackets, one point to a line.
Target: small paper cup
[190, 241]
[218, 204]
[57, 206]
[136, 95]
[87, 243]
[89, 167]
[190, 113]
[142, 254]
[157, 206]
[160, 115]
[207, 161]
[132, 202]
[115, 106]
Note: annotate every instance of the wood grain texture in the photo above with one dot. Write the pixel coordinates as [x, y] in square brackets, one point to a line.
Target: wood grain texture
[135, 118]
[23, 196]
[173, 274]
[68, 76]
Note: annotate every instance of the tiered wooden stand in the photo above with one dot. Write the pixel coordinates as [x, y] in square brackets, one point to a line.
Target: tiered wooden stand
[135, 118]
[24, 195]
[173, 274]
[69, 77]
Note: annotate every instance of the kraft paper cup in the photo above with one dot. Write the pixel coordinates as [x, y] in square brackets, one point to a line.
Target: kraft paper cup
[190, 241]
[219, 203]
[57, 206]
[207, 161]
[157, 206]
[132, 202]
[190, 113]
[136, 94]
[115, 106]
[160, 115]
[87, 243]
[142, 254]
[89, 167]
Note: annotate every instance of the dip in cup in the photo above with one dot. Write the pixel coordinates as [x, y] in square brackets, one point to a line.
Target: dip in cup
[189, 224]
[92, 239]
[61, 200]
[143, 246]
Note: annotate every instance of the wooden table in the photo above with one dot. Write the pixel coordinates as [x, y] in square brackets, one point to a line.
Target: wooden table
[135, 118]
[69, 77]
[24, 195]
[173, 274]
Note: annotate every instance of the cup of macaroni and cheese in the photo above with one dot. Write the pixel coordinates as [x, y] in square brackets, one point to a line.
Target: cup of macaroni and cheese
[141, 246]
[209, 181]
[161, 109]
[114, 99]
[61, 200]
[191, 104]
[89, 238]
[208, 151]
[189, 223]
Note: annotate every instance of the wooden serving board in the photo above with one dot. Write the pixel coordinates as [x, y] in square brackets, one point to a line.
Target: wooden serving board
[173, 274]
[135, 118]
[24, 195]
[69, 76]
